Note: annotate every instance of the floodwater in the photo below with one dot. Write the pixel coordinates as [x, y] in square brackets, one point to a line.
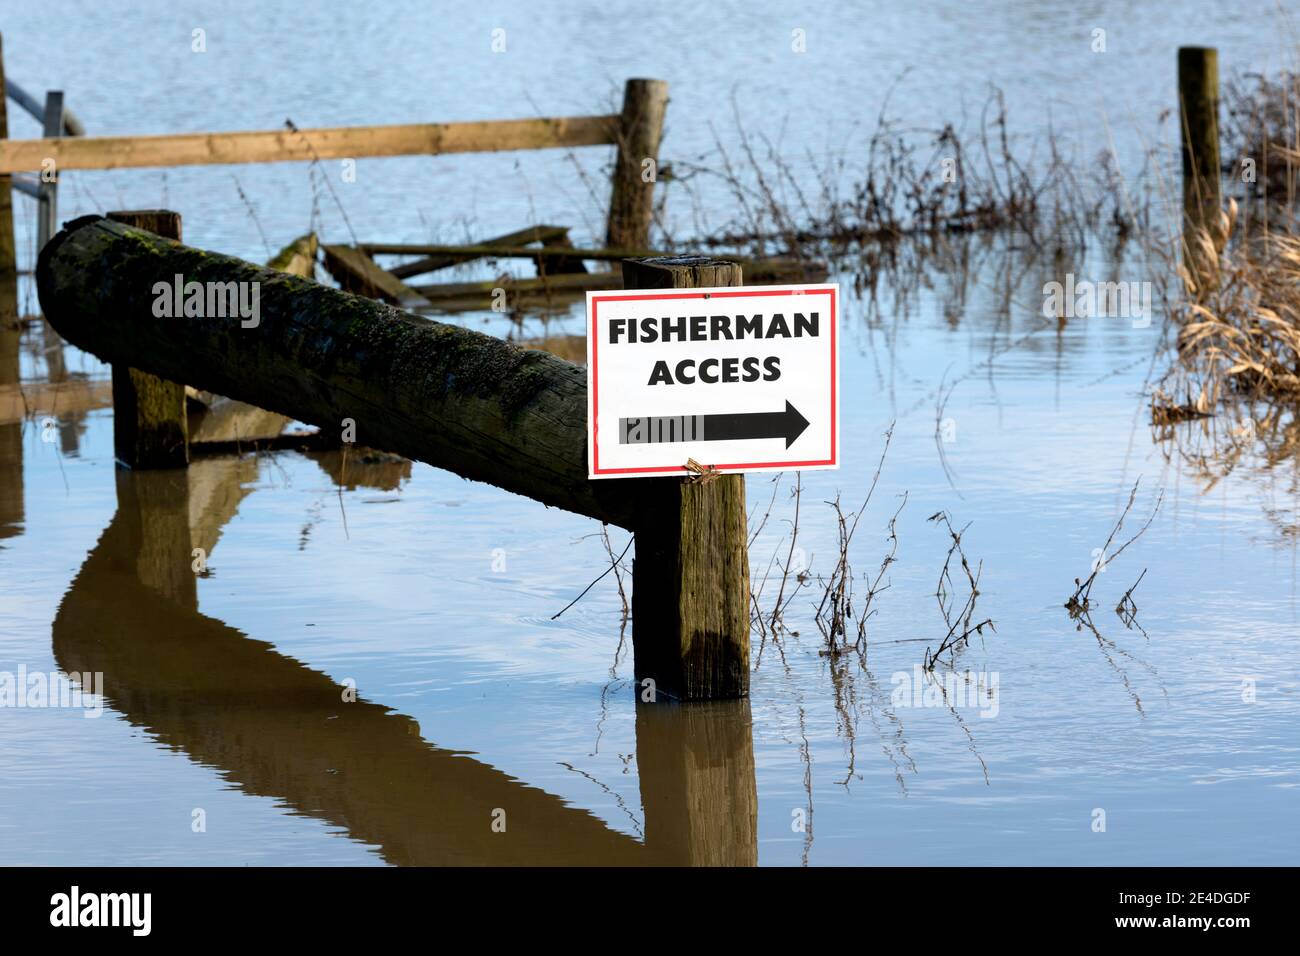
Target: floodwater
[224, 736]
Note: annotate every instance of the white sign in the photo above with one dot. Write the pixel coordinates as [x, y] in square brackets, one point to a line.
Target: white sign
[741, 379]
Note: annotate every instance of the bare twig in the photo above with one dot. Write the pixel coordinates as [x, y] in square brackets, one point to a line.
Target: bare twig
[1080, 600]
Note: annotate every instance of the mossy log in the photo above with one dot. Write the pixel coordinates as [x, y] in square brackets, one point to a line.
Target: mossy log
[437, 393]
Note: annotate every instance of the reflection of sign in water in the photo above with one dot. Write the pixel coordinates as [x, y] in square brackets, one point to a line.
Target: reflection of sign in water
[737, 378]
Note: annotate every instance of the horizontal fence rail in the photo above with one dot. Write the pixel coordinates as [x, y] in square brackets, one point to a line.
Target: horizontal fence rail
[289, 145]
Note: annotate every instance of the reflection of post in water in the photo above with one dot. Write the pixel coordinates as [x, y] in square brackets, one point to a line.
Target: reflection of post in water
[11, 444]
[52, 348]
[696, 763]
[277, 728]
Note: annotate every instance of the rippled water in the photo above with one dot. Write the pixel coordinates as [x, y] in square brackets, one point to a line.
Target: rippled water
[434, 596]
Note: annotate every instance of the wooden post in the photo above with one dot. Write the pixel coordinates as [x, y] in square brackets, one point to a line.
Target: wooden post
[1198, 99]
[690, 579]
[632, 199]
[47, 216]
[150, 428]
[8, 251]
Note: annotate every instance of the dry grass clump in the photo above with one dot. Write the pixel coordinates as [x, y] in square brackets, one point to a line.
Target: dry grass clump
[1239, 323]
[1238, 312]
[1229, 403]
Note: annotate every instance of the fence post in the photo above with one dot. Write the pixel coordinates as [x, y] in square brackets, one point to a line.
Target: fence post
[8, 250]
[150, 429]
[631, 201]
[47, 216]
[1198, 100]
[690, 578]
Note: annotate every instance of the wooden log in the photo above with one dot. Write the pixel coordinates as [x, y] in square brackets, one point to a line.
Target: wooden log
[690, 578]
[150, 424]
[47, 199]
[445, 255]
[8, 247]
[298, 258]
[452, 397]
[290, 145]
[1198, 99]
[436, 293]
[540, 302]
[631, 200]
[570, 282]
[435, 259]
[357, 272]
[561, 259]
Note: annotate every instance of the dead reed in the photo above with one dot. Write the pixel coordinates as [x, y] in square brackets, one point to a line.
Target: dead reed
[835, 613]
[960, 618]
[1259, 132]
[1080, 602]
[909, 182]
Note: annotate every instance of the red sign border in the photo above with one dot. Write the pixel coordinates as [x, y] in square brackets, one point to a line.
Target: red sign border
[695, 294]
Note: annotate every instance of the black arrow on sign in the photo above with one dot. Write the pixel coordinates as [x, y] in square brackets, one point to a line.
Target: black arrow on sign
[740, 426]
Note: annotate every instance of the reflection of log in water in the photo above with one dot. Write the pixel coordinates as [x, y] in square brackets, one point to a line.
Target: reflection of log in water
[350, 467]
[277, 728]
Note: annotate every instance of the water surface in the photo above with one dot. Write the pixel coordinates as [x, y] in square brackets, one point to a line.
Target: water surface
[433, 596]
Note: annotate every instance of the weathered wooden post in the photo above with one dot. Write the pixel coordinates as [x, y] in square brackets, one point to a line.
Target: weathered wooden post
[47, 216]
[150, 429]
[8, 251]
[631, 202]
[690, 578]
[1198, 100]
